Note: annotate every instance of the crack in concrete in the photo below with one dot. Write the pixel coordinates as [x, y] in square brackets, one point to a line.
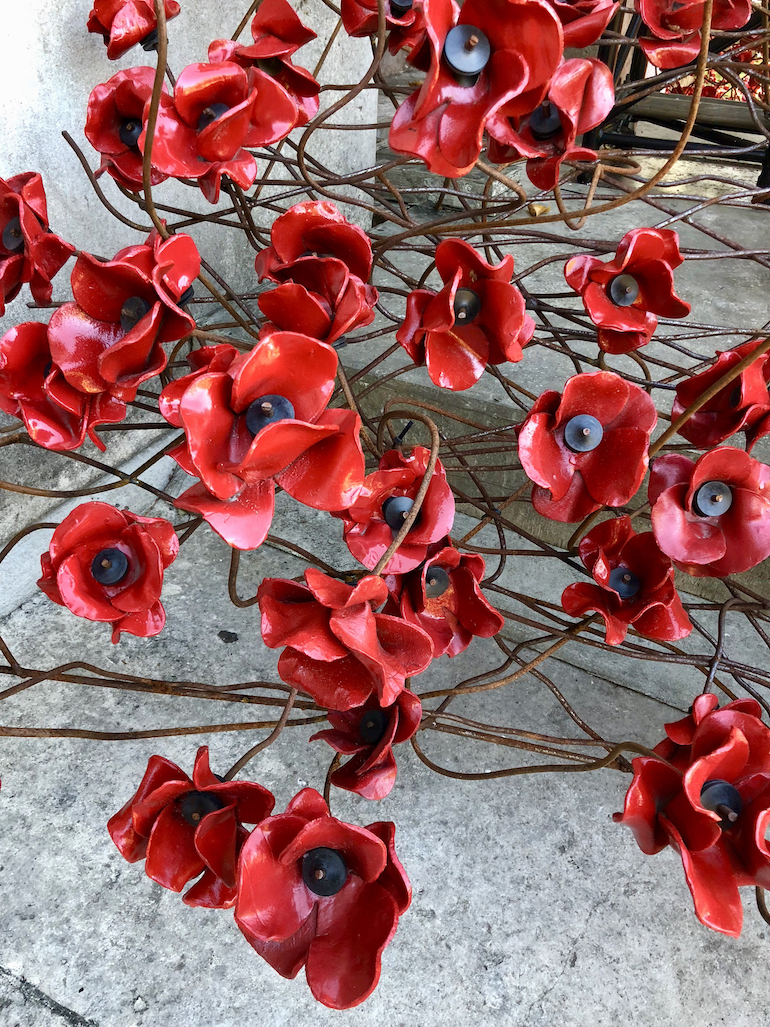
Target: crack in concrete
[30, 992]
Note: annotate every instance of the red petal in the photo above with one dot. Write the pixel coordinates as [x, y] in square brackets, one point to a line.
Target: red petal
[172, 859]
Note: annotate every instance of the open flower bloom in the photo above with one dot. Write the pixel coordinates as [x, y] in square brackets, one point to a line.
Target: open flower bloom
[478, 318]
[185, 829]
[124, 23]
[580, 97]
[29, 252]
[110, 339]
[586, 448]
[256, 419]
[404, 20]
[623, 296]
[634, 585]
[712, 517]
[710, 802]
[443, 598]
[493, 58]
[217, 110]
[739, 406]
[338, 650]
[316, 892]
[368, 734]
[676, 26]
[56, 415]
[374, 519]
[277, 33]
[107, 565]
[114, 122]
[583, 21]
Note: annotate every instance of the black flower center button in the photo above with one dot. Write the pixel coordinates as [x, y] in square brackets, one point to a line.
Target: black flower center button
[436, 582]
[194, 806]
[724, 799]
[211, 113]
[395, 510]
[625, 583]
[372, 726]
[544, 121]
[623, 290]
[129, 132]
[109, 566]
[712, 499]
[132, 312]
[150, 41]
[583, 433]
[268, 410]
[324, 871]
[467, 52]
[13, 238]
[398, 8]
[467, 306]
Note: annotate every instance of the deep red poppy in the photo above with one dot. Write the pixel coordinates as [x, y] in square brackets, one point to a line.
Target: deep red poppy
[107, 565]
[187, 829]
[712, 805]
[634, 585]
[580, 96]
[504, 53]
[56, 415]
[338, 650]
[583, 21]
[587, 447]
[124, 23]
[316, 892]
[111, 338]
[29, 251]
[712, 516]
[623, 296]
[404, 21]
[368, 533]
[478, 318]
[255, 419]
[368, 734]
[676, 26]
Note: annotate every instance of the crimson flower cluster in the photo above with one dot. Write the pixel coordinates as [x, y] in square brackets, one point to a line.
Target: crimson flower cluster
[676, 27]
[124, 23]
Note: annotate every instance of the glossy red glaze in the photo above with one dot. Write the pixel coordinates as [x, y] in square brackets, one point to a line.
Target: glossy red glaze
[583, 21]
[361, 18]
[151, 827]
[663, 805]
[340, 938]
[124, 23]
[569, 486]
[675, 27]
[133, 604]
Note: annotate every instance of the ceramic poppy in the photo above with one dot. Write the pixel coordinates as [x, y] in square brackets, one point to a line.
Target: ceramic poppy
[185, 829]
[478, 318]
[623, 297]
[316, 892]
[361, 17]
[676, 26]
[124, 23]
[587, 447]
[583, 21]
[107, 565]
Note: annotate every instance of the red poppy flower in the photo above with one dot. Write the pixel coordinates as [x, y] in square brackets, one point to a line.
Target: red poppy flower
[111, 338]
[493, 57]
[712, 806]
[185, 828]
[623, 296]
[361, 18]
[114, 122]
[338, 650]
[56, 415]
[29, 251]
[443, 598]
[478, 318]
[368, 734]
[712, 517]
[580, 97]
[106, 564]
[583, 21]
[217, 110]
[373, 520]
[676, 27]
[124, 23]
[586, 448]
[316, 892]
[258, 418]
[634, 585]
[277, 33]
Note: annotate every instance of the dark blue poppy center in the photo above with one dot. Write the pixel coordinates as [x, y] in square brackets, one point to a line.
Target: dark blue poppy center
[194, 806]
[467, 306]
[109, 566]
[324, 871]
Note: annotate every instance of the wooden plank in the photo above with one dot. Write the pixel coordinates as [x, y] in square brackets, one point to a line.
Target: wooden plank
[726, 114]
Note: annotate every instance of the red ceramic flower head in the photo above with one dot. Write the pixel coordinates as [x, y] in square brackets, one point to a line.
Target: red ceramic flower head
[634, 585]
[338, 650]
[110, 339]
[185, 829]
[580, 97]
[56, 415]
[623, 296]
[587, 447]
[260, 418]
[316, 892]
[277, 33]
[404, 18]
[107, 565]
[124, 23]
[374, 519]
[583, 21]
[443, 598]
[29, 251]
[114, 122]
[711, 805]
[478, 318]
[368, 734]
[493, 58]
[676, 26]
[712, 517]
